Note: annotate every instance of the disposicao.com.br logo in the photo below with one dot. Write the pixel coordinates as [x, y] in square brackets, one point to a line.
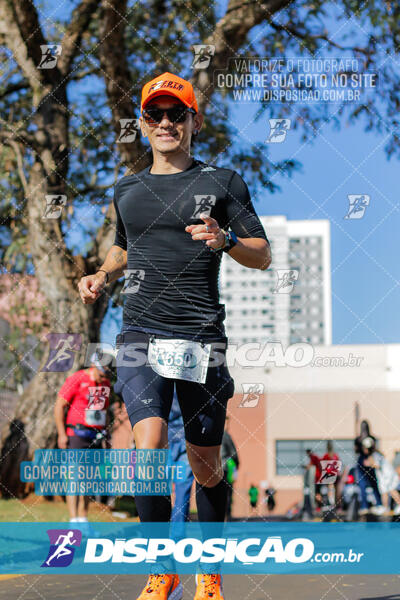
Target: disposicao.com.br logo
[248, 551]
[62, 547]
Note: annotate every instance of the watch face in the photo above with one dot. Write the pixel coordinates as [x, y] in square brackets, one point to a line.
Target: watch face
[231, 241]
[233, 237]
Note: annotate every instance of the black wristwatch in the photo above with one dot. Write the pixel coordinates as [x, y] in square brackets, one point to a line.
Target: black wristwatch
[230, 241]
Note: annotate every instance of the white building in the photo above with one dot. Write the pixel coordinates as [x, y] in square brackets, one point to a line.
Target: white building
[264, 305]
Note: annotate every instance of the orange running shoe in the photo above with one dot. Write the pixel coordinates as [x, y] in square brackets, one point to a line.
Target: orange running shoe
[209, 587]
[162, 587]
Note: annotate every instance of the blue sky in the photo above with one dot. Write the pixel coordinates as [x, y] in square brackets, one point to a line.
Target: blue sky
[364, 252]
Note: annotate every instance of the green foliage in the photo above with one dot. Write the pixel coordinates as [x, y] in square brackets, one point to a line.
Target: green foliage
[159, 36]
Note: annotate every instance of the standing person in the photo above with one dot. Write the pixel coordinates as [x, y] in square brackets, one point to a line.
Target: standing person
[388, 479]
[253, 497]
[332, 456]
[230, 464]
[365, 445]
[270, 498]
[316, 462]
[175, 219]
[367, 478]
[81, 415]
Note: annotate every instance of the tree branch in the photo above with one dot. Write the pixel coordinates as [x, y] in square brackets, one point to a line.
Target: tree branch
[21, 30]
[8, 136]
[18, 156]
[229, 35]
[14, 87]
[80, 20]
[118, 81]
[323, 37]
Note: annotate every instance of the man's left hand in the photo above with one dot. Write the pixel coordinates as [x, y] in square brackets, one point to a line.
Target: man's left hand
[210, 231]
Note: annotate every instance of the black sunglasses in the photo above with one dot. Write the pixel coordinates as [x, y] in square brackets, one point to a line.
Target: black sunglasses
[177, 114]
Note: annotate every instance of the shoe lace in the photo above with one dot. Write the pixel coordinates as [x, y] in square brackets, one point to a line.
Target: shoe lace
[210, 584]
[154, 583]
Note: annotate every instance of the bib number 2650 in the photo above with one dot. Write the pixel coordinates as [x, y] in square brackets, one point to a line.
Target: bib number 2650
[179, 359]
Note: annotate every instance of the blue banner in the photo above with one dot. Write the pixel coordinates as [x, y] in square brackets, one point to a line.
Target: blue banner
[240, 547]
[102, 472]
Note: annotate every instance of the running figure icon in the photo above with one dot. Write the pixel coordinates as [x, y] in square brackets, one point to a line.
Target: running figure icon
[62, 550]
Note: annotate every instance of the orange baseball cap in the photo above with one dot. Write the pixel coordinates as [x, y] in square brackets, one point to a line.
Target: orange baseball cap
[168, 84]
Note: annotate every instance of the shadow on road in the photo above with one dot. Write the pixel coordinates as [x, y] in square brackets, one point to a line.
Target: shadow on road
[391, 597]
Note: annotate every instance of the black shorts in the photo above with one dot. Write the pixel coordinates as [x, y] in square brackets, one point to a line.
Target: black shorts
[148, 394]
[77, 443]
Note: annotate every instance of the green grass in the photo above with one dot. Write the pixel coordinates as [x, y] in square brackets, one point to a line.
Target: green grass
[36, 508]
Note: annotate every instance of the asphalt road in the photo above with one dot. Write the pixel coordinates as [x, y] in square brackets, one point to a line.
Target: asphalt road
[255, 587]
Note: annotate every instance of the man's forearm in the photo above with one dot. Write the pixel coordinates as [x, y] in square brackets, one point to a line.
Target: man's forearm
[59, 417]
[254, 253]
[115, 263]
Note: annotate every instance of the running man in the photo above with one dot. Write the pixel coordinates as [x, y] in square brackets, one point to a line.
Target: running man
[176, 254]
[62, 542]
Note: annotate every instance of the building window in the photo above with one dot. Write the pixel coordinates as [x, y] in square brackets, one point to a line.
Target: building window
[290, 455]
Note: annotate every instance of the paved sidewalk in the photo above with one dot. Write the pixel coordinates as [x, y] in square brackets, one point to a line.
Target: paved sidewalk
[256, 587]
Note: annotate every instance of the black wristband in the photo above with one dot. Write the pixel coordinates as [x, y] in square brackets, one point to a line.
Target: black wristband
[107, 276]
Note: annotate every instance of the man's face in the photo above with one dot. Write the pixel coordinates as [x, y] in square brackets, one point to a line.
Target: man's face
[167, 137]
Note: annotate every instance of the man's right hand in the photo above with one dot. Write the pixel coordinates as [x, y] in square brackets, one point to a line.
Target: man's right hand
[62, 441]
[91, 286]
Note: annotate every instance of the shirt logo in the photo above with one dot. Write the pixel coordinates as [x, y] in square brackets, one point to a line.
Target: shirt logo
[146, 400]
[204, 204]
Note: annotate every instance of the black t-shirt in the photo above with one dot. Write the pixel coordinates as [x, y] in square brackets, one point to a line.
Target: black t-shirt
[172, 280]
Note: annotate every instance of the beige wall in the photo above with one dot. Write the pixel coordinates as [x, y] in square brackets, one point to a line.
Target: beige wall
[320, 415]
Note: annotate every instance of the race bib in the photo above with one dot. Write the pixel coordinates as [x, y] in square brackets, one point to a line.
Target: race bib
[179, 359]
[95, 413]
[95, 417]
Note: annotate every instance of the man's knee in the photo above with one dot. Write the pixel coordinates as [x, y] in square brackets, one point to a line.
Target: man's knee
[206, 464]
[151, 433]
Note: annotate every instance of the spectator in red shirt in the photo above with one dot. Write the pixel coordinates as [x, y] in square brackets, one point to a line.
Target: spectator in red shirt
[315, 461]
[80, 414]
[331, 455]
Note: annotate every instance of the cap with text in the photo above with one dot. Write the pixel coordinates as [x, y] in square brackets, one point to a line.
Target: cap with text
[168, 84]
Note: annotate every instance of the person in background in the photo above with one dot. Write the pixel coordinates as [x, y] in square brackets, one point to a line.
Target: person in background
[253, 497]
[230, 463]
[331, 455]
[177, 448]
[82, 420]
[364, 433]
[367, 476]
[388, 479]
[316, 462]
[270, 498]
